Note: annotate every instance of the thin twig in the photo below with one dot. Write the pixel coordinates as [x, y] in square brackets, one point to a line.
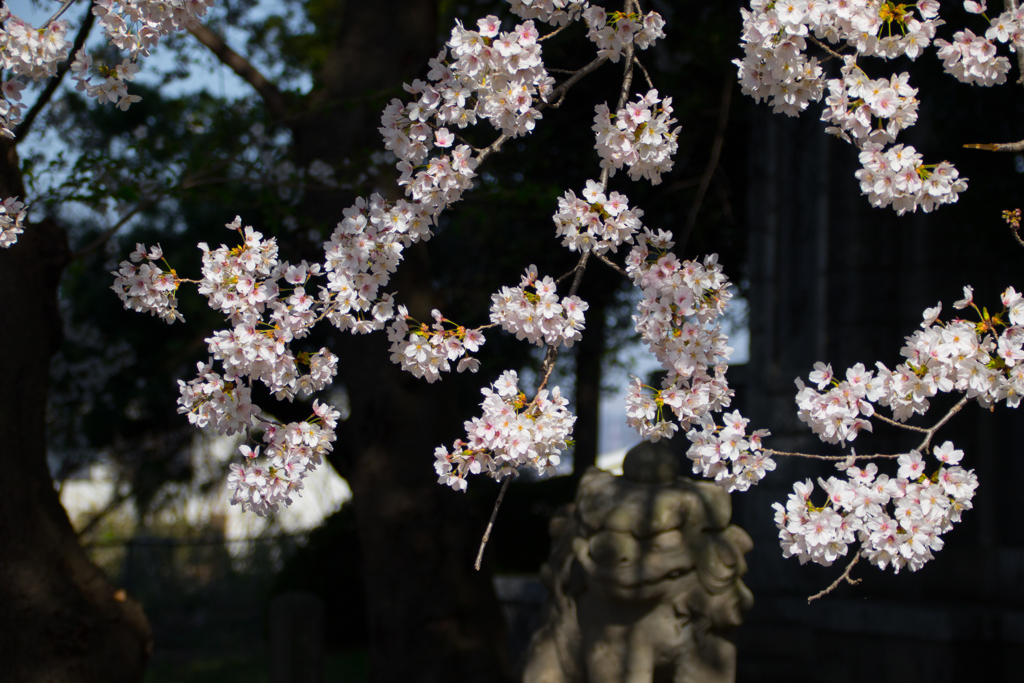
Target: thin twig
[491, 148]
[825, 47]
[647, 76]
[554, 33]
[1015, 231]
[580, 267]
[1000, 147]
[561, 90]
[894, 423]
[62, 10]
[713, 159]
[845, 577]
[832, 458]
[938, 425]
[490, 523]
[611, 264]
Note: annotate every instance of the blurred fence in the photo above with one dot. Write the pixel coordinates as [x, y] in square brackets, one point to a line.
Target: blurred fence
[199, 593]
[212, 594]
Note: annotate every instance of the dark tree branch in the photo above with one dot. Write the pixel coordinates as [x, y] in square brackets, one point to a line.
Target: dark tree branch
[23, 128]
[62, 10]
[270, 93]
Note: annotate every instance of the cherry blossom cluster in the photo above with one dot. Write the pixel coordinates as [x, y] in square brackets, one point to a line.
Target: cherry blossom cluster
[12, 218]
[975, 359]
[34, 53]
[426, 351]
[242, 283]
[29, 53]
[897, 176]
[555, 12]
[511, 433]
[680, 301]
[292, 452]
[239, 281]
[776, 34]
[972, 58]
[112, 86]
[642, 137]
[595, 222]
[898, 521]
[728, 455]
[364, 249]
[211, 400]
[147, 287]
[137, 25]
[493, 75]
[856, 102]
[538, 316]
[613, 32]
[864, 111]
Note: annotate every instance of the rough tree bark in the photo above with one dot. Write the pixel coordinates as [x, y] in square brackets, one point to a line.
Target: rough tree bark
[60, 618]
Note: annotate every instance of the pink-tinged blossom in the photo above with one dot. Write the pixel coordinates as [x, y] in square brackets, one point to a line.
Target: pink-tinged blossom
[511, 433]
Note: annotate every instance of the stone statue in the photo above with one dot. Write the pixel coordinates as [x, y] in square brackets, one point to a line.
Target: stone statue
[644, 579]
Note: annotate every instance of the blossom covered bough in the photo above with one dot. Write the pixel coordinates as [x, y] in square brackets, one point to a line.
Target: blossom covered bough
[494, 74]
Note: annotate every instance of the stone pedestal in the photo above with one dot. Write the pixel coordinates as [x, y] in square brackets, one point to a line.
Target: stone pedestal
[644, 577]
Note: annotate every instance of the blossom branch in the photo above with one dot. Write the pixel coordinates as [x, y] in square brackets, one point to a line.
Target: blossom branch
[549, 365]
[561, 90]
[835, 584]
[938, 425]
[558, 93]
[833, 458]
[894, 423]
[62, 10]
[647, 76]
[611, 264]
[1000, 147]
[825, 47]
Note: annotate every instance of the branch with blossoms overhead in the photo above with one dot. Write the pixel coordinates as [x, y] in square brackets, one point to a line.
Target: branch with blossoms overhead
[496, 78]
[499, 78]
[870, 111]
[31, 54]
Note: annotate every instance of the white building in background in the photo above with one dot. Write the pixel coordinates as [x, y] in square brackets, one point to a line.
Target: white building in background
[324, 493]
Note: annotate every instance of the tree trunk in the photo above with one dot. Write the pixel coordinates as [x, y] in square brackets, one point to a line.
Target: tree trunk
[61, 620]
